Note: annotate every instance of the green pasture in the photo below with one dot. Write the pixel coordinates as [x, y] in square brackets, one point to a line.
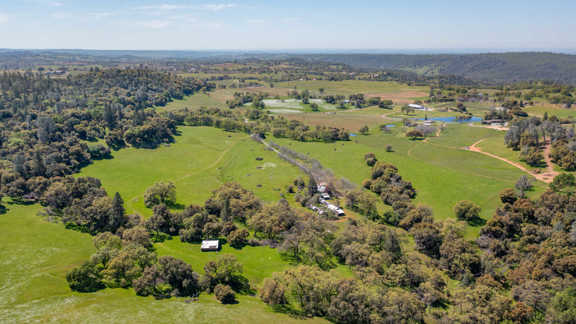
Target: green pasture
[194, 101]
[201, 160]
[348, 87]
[37, 254]
[539, 110]
[441, 170]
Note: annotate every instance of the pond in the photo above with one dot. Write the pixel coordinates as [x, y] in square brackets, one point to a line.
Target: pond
[453, 119]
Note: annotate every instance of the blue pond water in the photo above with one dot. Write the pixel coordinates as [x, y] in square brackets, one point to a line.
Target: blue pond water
[454, 119]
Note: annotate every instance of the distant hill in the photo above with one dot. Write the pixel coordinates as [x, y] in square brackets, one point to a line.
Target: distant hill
[496, 67]
[489, 67]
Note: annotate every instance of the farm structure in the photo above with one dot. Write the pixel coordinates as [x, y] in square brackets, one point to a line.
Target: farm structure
[210, 245]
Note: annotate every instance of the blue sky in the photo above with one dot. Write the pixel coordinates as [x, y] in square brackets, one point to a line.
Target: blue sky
[287, 24]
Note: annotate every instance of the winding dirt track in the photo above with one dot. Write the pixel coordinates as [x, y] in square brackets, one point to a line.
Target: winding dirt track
[546, 176]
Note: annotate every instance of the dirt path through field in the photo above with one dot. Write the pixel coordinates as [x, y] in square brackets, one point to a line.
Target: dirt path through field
[546, 177]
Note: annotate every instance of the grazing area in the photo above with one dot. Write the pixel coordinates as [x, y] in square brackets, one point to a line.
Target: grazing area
[442, 171]
[198, 162]
[285, 190]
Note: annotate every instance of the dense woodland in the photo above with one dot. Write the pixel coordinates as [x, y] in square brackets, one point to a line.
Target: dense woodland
[51, 128]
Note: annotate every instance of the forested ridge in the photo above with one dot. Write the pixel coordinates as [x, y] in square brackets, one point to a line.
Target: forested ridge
[491, 68]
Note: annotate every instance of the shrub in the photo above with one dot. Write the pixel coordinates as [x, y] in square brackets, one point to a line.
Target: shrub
[467, 210]
[414, 134]
[86, 278]
[224, 294]
[238, 238]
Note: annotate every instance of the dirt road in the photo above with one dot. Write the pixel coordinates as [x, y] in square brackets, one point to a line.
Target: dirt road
[546, 176]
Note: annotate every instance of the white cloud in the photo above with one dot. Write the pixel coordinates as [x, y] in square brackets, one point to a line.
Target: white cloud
[3, 18]
[56, 4]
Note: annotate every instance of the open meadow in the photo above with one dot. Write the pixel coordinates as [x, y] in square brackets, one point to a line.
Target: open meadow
[201, 160]
[37, 254]
[441, 170]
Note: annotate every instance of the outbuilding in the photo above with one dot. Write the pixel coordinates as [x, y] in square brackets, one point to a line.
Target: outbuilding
[210, 245]
[417, 107]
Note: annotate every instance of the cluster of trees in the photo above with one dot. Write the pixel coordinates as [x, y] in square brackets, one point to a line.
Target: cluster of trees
[83, 204]
[530, 134]
[242, 98]
[391, 285]
[392, 189]
[234, 215]
[535, 240]
[255, 122]
[128, 260]
[553, 92]
[521, 269]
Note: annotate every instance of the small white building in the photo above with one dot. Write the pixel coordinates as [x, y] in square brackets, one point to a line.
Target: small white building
[417, 107]
[210, 245]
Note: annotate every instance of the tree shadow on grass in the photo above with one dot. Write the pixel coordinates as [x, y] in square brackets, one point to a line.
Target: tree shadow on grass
[294, 313]
[477, 221]
[241, 285]
[175, 205]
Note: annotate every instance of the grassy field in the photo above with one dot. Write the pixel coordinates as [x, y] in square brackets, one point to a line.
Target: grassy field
[36, 254]
[399, 93]
[351, 120]
[442, 172]
[395, 91]
[194, 102]
[200, 161]
[495, 145]
[552, 110]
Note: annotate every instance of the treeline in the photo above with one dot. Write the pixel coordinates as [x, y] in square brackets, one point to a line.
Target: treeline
[254, 121]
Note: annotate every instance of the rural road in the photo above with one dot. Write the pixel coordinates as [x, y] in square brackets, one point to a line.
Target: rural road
[546, 177]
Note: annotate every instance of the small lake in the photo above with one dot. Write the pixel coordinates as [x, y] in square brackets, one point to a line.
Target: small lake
[454, 119]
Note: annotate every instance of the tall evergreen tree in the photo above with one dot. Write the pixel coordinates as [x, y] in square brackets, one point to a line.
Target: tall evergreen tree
[118, 212]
